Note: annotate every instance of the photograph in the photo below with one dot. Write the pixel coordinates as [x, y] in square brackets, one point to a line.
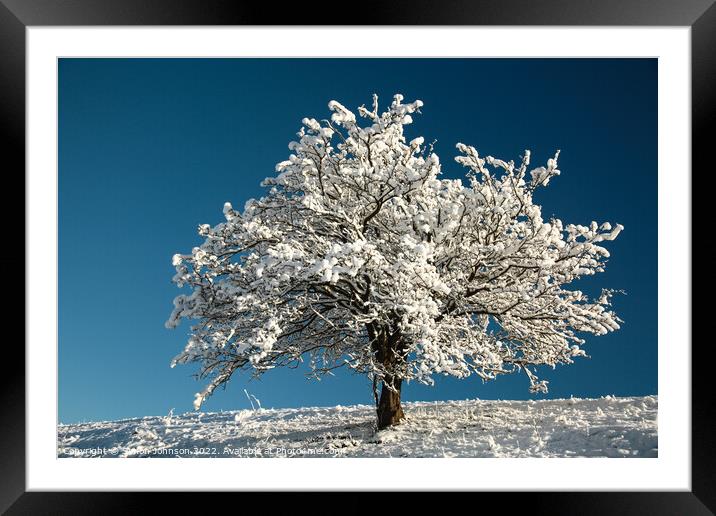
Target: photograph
[368, 245]
[357, 257]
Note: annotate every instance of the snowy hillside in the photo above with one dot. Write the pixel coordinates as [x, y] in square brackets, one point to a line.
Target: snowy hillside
[603, 427]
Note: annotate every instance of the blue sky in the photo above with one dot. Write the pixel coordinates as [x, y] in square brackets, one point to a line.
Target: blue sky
[151, 148]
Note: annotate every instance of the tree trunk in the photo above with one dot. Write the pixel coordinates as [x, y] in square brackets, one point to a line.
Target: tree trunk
[389, 410]
[388, 347]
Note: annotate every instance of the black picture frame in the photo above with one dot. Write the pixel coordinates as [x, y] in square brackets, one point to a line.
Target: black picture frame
[17, 15]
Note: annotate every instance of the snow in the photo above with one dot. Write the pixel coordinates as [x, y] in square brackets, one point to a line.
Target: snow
[601, 427]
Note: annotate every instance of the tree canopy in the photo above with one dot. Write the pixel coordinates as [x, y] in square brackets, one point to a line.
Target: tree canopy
[360, 255]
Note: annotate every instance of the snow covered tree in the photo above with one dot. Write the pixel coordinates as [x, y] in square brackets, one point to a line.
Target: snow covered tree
[360, 255]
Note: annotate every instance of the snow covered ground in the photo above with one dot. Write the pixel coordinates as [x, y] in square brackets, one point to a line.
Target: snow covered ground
[603, 427]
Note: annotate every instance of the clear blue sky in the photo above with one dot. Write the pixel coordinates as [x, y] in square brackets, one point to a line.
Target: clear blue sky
[150, 148]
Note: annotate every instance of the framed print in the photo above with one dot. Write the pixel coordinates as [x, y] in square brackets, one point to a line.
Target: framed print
[447, 248]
